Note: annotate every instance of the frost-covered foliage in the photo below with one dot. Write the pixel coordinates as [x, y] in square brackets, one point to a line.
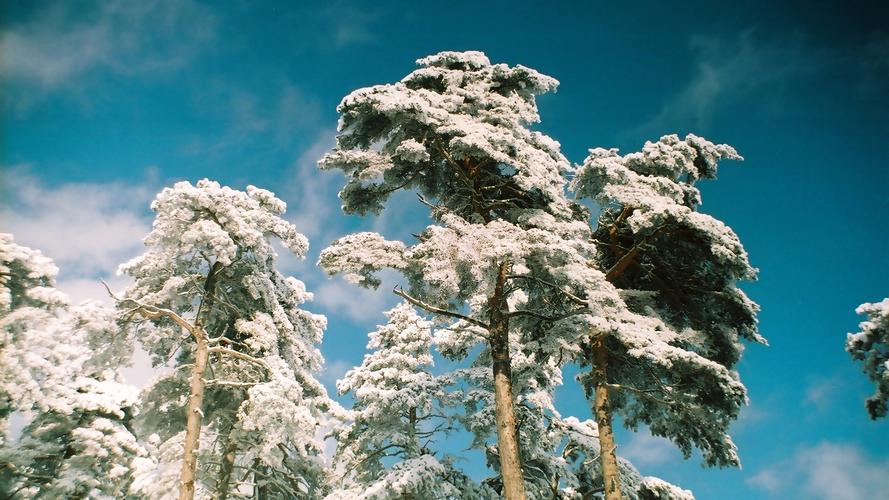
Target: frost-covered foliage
[400, 411]
[665, 254]
[582, 476]
[30, 310]
[677, 334]
[59, 369]
[871, 345]
[456, 129]
[210, 260]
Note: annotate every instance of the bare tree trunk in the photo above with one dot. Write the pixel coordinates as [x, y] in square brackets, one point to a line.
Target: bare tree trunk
[195, 414]
[227, 466]
[196, 398]
[610, 471]
[507, 439]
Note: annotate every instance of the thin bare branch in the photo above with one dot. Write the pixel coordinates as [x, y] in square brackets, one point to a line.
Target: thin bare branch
[241, 356]
[640, 392]
[229, 383]
[152, 312]
[437, 310]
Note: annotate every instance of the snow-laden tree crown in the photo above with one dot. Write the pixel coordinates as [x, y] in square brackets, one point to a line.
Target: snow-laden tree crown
[210, 261]
[871, 345]
[456, 129]
[59, 367]
[674, 344]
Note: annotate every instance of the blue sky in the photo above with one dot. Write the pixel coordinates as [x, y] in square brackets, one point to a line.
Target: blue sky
[103, 104]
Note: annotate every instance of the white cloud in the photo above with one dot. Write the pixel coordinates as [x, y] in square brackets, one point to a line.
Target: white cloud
[333, 371]
[821, 393]
[767, 479]
[338, 298]
[350, 23]
[725, 72]
[647, 450]
[260, 120]
[80, 289]
[64, 43]
[88, 229]
[313, 193]
[826, 471]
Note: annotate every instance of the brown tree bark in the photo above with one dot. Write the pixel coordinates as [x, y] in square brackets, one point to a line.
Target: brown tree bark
[227, 466]
[507, 439]
[610, 471]
[196, 397]
[194, 416]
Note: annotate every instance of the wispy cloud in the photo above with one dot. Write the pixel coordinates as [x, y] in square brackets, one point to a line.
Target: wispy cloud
[250, 119]
[645, 449]
[350, 23]
[826, 471]
[312, 193]
[87, 228]
[67, 42]
[770, 480]
[333, 371]
[365, 307]
[821, 392]
[751, 68]
[727, 71]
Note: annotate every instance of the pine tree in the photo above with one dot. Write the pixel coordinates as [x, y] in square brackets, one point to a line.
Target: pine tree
[456, 130]
[60, 368]
[662, 354]
[400, 410]
[245, 351]
[871, 345]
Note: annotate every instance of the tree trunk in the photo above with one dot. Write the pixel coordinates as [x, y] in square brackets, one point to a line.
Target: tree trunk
[227, 466]
[195, 414]
[507, 438]
[196, 398]
[610, 471]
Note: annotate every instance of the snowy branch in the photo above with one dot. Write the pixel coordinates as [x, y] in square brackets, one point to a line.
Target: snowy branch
[241, 356]
[152, 312]
[437, 310]
[568, 294]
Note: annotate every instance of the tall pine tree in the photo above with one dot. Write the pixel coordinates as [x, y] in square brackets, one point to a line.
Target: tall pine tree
[245, 351]
[456, 130]
[663, 353]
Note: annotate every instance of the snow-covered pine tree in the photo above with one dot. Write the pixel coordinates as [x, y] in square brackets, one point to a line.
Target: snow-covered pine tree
[59, 368]
[871, 345]
[28, 303]
[245, 351]
[456, 130]
[664, 356]
[400, 410]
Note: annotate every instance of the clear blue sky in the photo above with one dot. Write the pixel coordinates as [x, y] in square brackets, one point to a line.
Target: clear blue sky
[105, 103]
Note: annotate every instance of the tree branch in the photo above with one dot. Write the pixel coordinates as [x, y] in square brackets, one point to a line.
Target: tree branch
[152, 312]
[624, 262]
[437, 310]
[230, 383]
[568, 294]
[645, 394]
[241, 356]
